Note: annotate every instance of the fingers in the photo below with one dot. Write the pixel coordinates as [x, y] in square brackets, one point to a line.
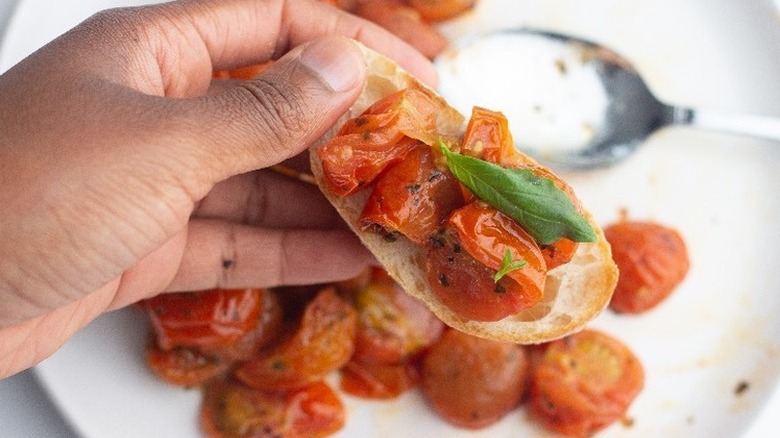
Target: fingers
[281, 112]
[265, 198]
[238, 32]
[228, 255]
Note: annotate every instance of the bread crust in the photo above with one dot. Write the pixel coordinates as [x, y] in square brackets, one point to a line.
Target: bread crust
[575, 292]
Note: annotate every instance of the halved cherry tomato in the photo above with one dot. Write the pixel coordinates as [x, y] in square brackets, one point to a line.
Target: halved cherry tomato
[405, 22]
[466, 286]
[653, 261]
[473, 382]
[184, 366]
[413, 197]
[392, 326]
[205, 319]
[267, 330]
[323, 343]
[367, 144]
[488, 137]
[232, 410]
[438, 10]
[584, 382]
[485, 234]
[378, 381]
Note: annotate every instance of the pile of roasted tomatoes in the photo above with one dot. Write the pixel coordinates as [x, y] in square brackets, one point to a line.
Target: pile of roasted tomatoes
[263, 359]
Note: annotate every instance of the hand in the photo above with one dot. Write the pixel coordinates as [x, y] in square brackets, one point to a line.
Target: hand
[126, 171]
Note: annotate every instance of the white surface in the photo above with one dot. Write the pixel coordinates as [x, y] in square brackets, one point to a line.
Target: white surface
[717, 331]
[563, 101]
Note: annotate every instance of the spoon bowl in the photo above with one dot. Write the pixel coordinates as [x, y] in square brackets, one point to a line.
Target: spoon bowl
[571, 103]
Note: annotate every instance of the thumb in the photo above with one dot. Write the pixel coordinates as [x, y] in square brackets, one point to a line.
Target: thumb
[276, 115]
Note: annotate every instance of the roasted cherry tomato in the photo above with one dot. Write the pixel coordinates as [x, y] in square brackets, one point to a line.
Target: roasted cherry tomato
[584, 382]
[382, 135]
[405, 22]
[413, 197]
[473, 382]
[488, 137]
[461, 269]
[487, 234]
[323, 343]
[267, 330]
[378, 381]
[438, 10]
[466, 286]
[206, 320]
[232, 410]
[652, 260]
[392, 326]
[184, 366]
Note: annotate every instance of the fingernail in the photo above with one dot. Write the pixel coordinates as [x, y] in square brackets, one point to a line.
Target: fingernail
[336, 61]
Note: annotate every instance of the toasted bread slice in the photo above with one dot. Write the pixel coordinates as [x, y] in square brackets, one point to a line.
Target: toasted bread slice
[574, 293]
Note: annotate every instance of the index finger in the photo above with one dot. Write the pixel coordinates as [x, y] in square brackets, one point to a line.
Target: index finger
[241, 32]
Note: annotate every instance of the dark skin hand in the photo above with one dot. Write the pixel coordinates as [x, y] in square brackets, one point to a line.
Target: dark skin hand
[125, 171]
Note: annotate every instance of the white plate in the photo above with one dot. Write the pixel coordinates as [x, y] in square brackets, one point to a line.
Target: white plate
[718, 332]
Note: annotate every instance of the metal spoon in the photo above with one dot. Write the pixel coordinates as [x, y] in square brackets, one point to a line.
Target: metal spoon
[571, 103]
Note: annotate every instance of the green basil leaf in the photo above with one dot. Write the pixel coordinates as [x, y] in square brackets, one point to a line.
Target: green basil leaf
[508, 265]
[534, 202]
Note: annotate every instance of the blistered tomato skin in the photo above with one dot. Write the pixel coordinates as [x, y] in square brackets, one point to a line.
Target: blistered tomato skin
[379, 137]
[183, 366]
[583, 383]
[413, 197]
[231, 410]
[466, 286]
[405, 22]
[488, 234]
[653, 261]
[323, 343]
[206, 320]
[473, 382]
[461, 266]
[392, 326]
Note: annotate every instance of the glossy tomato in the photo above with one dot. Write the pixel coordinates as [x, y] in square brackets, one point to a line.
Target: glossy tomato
[473, 382]
[461, 266]
[184, 366]
[413, 197]
[405, 22]
[653, 261]
[378, 381]
[584, 382]
[488, 137]
[382, 135]
[466, 286]
[392, 326]
[323, 343]
[232, 410]
[206, 320]
[438, 10]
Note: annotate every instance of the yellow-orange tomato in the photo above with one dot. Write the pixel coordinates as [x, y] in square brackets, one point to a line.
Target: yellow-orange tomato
[652, 260]
[583, 383]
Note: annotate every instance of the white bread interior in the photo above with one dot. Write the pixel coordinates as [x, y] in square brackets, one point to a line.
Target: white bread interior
[575, 293]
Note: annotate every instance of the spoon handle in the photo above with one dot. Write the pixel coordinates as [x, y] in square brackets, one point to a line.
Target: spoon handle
[742, 124]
